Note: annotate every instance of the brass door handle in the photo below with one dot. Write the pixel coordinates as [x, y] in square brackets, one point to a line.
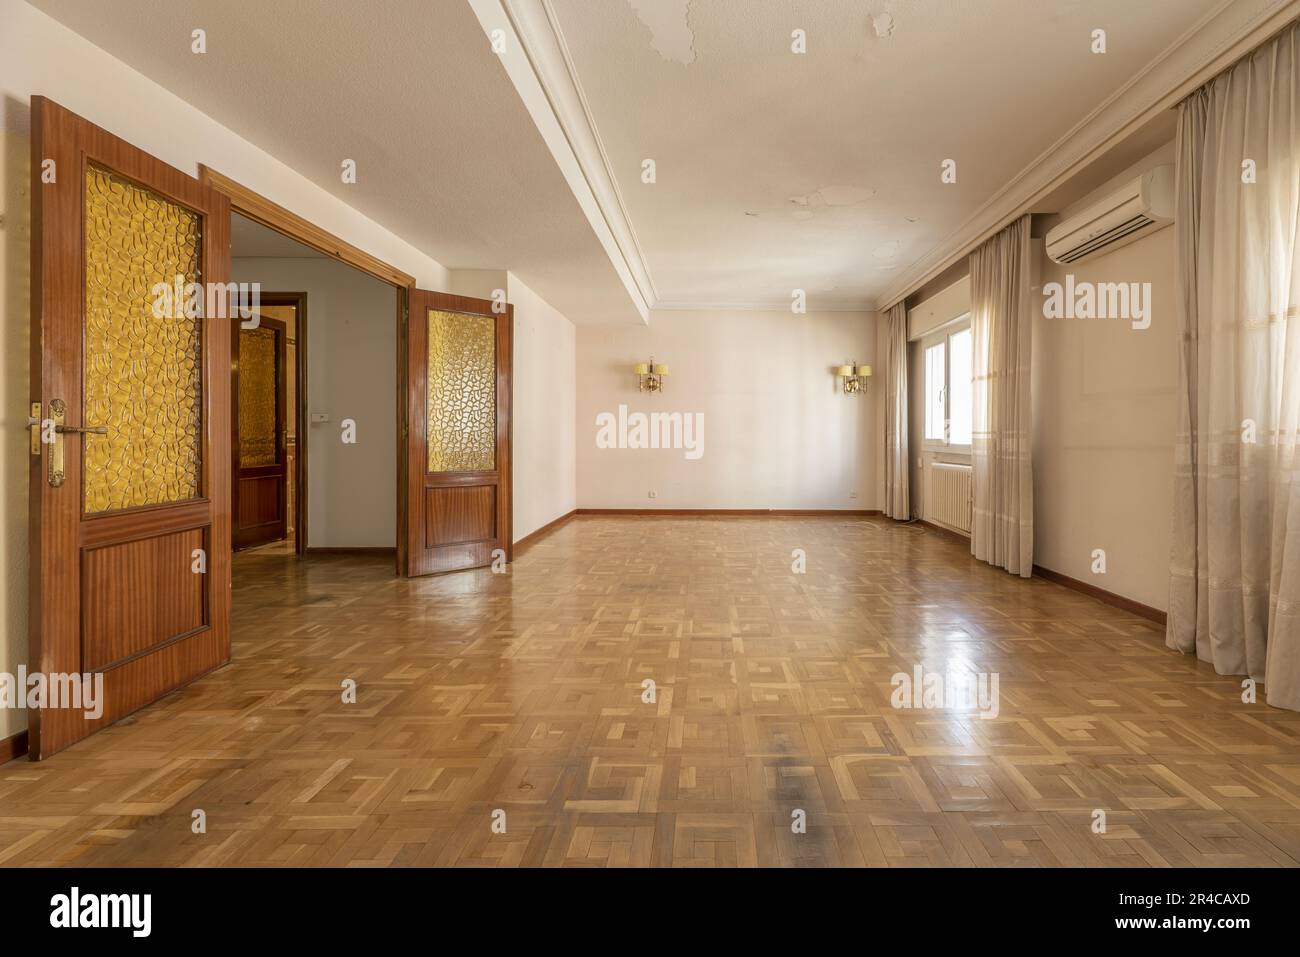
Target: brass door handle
[58, 411]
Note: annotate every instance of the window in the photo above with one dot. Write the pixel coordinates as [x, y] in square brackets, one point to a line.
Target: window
[960, 369]
[949, 367]
[935, 382]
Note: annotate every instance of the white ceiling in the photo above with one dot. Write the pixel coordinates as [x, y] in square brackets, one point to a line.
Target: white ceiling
[447, 156]
[821, 171]
[775, 171]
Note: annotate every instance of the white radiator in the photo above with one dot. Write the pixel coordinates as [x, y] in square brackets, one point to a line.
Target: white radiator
[948, 501]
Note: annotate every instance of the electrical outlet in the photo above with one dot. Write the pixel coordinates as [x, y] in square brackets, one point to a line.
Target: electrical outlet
[853, 495]
[654, 494]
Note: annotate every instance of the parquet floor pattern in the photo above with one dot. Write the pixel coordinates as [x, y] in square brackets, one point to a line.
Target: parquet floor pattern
[522, 693]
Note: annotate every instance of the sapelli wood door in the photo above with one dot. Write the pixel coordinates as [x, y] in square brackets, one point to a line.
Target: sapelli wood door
[259, 443]
[130, 524]
[454, 505]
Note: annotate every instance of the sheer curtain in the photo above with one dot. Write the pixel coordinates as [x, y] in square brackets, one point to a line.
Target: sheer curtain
[1002, 523]
[897, 504]
[1234, 596]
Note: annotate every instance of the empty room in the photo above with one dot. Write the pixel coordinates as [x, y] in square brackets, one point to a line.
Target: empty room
[649, 434]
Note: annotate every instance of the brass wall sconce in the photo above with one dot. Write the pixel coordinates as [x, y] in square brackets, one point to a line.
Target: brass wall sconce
[855, 378]
[649, 376]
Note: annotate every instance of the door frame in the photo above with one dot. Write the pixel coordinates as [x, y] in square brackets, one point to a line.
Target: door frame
[268, 213]
[299, 301]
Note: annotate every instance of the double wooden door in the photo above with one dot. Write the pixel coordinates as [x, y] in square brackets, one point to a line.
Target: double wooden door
[131, 453]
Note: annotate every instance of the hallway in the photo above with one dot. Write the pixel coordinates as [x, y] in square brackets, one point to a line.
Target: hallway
[523, 692]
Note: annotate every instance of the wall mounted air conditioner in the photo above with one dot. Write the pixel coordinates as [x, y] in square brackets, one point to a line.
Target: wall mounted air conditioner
[1138, 209]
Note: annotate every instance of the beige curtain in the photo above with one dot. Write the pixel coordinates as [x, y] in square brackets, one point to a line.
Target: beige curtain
[1234, 595]
[1002, 523]
[897, 503]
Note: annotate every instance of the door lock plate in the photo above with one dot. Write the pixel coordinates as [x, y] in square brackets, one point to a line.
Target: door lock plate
[58, 412]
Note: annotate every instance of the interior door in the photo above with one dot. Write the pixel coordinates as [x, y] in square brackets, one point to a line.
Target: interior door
[259, 445]
[454, 508]
[129, 498]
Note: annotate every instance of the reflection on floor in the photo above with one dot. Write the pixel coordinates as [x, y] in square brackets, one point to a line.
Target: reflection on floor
[525, 693]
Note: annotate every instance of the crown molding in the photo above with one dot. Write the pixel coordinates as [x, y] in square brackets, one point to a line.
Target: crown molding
[553, 94]
[1224, 35]
[772, 305]
[537, 62]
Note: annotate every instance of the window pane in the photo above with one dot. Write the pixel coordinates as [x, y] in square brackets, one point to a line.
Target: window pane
[934, 383]
[141, 375]
[257, 397]
[462, 410]
[959, 396]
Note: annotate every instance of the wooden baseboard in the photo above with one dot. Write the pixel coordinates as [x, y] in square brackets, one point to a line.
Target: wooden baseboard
[355, 550]
[13, 747]
[711, 512]
[536, 535]
[1092, 591]
[1107, 597]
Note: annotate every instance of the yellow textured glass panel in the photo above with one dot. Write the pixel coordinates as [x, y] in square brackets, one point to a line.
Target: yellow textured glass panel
[256, 397]
[141, 374]
[462, 420]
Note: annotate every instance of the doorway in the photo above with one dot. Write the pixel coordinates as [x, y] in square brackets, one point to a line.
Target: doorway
[314, 450]
[268, 467]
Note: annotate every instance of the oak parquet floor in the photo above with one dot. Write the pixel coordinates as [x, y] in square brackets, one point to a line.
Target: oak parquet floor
[522, 693]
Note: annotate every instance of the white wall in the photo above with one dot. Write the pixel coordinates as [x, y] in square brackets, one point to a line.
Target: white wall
[545, 478]
[778, 432]
[15, 215]
[477, 283]
[40, 56]
[1104, 421]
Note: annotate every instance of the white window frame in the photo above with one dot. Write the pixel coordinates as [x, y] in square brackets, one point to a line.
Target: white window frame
[943, 335]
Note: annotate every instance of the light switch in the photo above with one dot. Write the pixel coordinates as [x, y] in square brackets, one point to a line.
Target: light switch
[318, 417]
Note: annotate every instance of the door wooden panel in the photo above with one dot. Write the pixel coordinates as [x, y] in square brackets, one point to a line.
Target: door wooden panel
[460, 514]
[260, 502]
[114, 531]
[258, 446]
[158, 568]
[454, 508]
